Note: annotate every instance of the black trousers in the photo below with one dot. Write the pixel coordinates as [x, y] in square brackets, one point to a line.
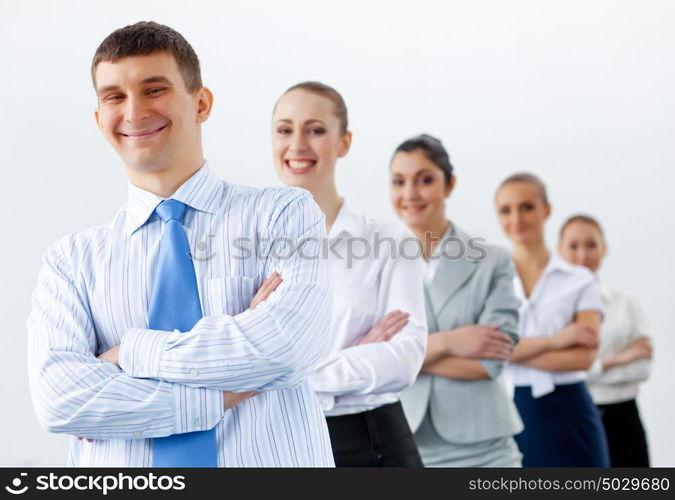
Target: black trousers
[625, 434]
[375, 438]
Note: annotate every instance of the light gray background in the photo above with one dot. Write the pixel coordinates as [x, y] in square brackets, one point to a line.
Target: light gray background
[577, 91]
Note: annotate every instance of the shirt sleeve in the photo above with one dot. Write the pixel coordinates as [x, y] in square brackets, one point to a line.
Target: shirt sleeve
[637, 371]
[75, 393]
[381, 367]
[590, 298]
[501, 308]
[274, 346]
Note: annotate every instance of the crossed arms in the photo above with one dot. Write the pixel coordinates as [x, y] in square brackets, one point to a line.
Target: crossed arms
[162, 388]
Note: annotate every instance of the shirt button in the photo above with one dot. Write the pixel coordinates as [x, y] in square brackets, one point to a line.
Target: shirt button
[198, 421]
[176, 330]
[194, 372]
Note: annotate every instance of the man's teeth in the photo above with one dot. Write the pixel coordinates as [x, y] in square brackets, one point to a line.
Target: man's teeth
[299, 164]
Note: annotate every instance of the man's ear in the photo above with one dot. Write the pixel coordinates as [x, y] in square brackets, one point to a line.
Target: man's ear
[345, 144]
[547, 210]
[97, 119]
[204, 104]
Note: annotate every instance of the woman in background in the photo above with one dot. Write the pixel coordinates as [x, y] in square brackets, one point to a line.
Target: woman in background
[378, 328]
[458, 407]
[625, 349]
[560, 314]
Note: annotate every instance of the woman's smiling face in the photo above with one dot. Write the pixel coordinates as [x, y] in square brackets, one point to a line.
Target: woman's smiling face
[307, 140]
[418, 189]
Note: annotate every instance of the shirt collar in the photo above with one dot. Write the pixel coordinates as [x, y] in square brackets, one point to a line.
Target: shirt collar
[557, 263]
[347, 221]
[201, 191]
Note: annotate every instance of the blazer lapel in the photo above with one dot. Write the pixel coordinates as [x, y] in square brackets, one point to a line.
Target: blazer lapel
[451, 275]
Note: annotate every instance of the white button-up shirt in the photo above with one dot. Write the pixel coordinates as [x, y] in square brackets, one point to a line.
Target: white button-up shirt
[624, 323]
[368, 284]
[93, 293]
[561, 292]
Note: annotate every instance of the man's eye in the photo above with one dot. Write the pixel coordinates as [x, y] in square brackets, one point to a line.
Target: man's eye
[397, 182]
[427, 180]
[113, 98]
[283, 131]
[156, 90]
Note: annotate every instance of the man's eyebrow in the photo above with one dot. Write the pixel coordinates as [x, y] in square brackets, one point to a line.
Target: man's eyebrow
[158, 79]
[150, 79]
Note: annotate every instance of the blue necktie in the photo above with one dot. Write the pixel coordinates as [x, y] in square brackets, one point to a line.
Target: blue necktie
[174, 305]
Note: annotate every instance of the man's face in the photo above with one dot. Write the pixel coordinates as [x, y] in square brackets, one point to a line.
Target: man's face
[147, 114]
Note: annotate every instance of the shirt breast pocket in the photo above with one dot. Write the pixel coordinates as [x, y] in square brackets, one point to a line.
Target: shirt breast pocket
[227, 296]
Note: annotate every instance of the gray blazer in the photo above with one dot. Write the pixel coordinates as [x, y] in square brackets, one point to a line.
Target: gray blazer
[468, 291]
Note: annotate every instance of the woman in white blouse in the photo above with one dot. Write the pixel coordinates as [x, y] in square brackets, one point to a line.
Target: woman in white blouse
[625, 349]
[560, 316]
[378, 329]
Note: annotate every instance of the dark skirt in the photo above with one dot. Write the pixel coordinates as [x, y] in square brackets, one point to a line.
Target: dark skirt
[562, 429]
[374, 438]
[625, 434]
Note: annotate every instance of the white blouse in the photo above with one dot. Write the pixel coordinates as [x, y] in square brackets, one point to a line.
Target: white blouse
[431, 265]
[562, 291]
[624, 323]
[375, 268]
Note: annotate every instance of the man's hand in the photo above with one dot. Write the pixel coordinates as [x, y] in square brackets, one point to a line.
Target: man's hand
[477, 341]
[268, 286]
[232, 399]
[386, 328]
[575, 334]
[111, 356]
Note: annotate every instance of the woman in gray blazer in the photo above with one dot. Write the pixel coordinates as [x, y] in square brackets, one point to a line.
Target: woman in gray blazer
[458, 408]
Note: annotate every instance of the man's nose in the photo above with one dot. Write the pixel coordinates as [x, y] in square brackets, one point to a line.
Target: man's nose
[135, 110]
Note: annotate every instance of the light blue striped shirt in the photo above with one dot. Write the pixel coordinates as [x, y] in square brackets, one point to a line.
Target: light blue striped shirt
[93, 293]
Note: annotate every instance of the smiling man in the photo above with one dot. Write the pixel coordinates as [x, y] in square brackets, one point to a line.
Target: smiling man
[147, 337]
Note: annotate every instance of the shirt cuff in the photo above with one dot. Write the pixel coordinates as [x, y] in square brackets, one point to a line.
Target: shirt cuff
[326, 401]
[141, 351]
[196, 408]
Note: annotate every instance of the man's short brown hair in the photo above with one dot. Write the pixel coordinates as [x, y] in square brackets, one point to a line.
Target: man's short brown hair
[145, 38]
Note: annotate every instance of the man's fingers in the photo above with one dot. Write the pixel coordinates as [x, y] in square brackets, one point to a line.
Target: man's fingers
[267, 287]
[270, 284]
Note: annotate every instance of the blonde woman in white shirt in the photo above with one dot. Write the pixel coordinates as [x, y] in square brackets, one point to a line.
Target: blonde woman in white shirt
[625, 353]
[560, 316]
[378, 330]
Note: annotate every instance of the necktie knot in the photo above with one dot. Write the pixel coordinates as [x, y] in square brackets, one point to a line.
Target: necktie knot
[171, 210]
